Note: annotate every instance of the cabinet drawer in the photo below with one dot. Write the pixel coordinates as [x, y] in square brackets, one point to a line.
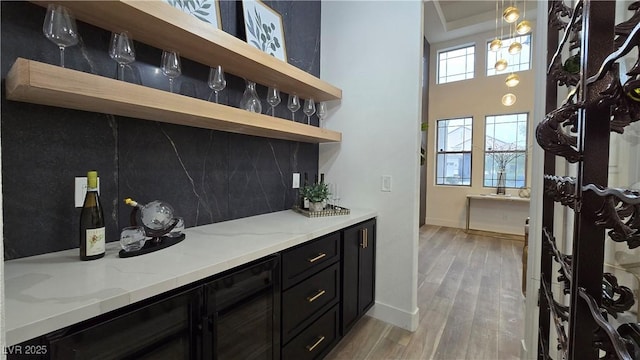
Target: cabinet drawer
[303, 302]
[305, 260]
[316, 340]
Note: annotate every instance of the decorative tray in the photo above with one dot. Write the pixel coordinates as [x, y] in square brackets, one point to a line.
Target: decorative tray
[150, 246]
[330, 210]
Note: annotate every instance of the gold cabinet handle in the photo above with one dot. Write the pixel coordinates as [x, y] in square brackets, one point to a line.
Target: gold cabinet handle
[320, 256]
[362, 243]
[311, 347]
[316, 296]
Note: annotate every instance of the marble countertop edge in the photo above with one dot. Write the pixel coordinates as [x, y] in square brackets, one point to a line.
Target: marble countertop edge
[41, 295]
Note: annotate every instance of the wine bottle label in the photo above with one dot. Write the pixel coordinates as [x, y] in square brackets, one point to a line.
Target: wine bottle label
[95, 241]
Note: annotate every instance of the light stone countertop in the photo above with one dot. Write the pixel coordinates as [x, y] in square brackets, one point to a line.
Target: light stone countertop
[47, 292]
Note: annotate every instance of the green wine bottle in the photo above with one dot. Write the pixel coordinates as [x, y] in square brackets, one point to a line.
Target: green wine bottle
[92, 237]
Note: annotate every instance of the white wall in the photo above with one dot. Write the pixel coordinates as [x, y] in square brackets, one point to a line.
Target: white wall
[477, 98]
[373, 51]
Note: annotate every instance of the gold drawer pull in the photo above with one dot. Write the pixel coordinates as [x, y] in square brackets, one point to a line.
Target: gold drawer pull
[320, 256]
[311, 347]
[316, 296]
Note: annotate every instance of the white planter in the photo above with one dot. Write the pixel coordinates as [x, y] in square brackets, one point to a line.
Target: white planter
[315, 206]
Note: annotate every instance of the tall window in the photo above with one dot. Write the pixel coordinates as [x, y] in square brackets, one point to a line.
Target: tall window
[455, 65]
[505, 150]
[453, 161]
[518, 62]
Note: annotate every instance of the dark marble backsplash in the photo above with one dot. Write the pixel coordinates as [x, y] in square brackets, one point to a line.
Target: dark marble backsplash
[208, 176]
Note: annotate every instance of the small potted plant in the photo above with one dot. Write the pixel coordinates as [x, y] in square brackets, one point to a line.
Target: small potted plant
[317, 194]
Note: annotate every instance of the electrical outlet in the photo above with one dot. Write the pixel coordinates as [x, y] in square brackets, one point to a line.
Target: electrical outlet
[385, 183]
[81, 189]
[296, 181]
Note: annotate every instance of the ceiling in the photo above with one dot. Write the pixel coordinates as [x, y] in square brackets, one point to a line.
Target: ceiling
[446, 20]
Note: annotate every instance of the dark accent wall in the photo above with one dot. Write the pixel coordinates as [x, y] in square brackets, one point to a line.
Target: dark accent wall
[208, 176]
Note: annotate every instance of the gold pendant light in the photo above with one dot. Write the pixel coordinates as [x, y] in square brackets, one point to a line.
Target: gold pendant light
[508, 99]
[496, 43]
[515, 48]
[512, 80]
[511, 14]
[501, 64]
[523, 28]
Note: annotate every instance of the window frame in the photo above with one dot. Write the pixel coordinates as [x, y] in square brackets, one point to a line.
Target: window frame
[462, 152]
[456, 48]
[524, 152]
[507, 56]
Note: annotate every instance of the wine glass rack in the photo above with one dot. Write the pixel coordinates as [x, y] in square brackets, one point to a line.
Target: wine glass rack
[158, 24]
[578, 130]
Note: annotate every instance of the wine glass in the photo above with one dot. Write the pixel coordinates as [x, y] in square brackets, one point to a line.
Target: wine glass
[293, 105]
[309, 109]
[217, 82]
[273, 98]
[171, 66]
[121, 51]
[322, 111]
[60, 28]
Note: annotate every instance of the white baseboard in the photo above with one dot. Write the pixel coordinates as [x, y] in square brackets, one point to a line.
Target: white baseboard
[395, 316]
[445, 223]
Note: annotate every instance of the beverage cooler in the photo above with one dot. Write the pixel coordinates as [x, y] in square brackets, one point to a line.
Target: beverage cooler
[234, 315]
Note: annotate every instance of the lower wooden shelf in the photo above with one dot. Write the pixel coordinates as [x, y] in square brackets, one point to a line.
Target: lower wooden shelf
[39, 83]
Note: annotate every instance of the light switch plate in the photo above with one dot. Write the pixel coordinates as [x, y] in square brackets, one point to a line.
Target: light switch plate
[385, 183]
[296, 181]
[81, 189]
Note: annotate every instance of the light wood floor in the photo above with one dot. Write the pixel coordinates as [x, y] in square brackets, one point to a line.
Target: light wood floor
[471, 306]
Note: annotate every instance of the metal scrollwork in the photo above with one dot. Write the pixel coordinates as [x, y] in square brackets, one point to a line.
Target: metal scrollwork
[557, 11]
[551, 136]
[566, 73]
[561, 189]
[608, 339]
[616, 299]
[624, 28]
[623, 98]
[619, 212]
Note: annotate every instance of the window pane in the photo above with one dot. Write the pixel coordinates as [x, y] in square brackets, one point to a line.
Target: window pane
[453, 160]
[454, 135]
[453, 169]
[505, 149]
[455, 65]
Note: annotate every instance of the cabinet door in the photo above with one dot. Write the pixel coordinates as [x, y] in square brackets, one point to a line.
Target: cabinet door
[367, 268]
[162, 329]
[358, 267]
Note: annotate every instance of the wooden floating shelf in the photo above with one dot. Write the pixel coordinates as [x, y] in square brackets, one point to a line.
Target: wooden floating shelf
[39, 83]
[158, 24]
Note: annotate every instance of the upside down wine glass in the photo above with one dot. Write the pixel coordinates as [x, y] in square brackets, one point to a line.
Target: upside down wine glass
[171, 66]
[60, 28]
